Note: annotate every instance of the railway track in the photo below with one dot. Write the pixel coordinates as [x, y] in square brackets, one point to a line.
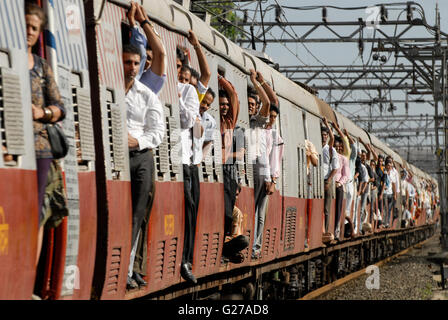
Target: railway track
[324, 292]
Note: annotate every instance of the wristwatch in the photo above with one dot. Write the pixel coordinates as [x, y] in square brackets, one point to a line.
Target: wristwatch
[148, 22]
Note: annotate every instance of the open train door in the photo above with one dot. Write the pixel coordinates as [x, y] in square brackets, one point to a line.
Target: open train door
[18, 186]
[114, 205]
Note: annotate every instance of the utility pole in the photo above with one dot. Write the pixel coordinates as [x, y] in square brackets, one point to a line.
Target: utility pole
[443, 172]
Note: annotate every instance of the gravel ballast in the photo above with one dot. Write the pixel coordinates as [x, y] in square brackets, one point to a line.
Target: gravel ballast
[406, 277]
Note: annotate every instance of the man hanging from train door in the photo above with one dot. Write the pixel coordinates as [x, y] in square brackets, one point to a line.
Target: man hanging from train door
[151, 74]
[146, 128]
[263, 186]
[191, 141]
[229, 108]
[330, 163]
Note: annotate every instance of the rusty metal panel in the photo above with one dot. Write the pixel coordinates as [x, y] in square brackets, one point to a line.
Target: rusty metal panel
[325, 110]
[85, 123]
[117, 137]
[163, 153]
[175, 146]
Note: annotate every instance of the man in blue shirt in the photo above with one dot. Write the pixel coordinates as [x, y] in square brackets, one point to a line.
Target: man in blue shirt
[153, 62]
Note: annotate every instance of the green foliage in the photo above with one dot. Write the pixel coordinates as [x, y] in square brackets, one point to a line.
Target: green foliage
[222, 11]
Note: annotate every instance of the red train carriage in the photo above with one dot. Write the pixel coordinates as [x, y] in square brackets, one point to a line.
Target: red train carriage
[72, 278]
[114, 208]
[18, 179]
[88, 255]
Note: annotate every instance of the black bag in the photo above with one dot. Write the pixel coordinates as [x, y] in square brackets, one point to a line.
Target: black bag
[58, 141]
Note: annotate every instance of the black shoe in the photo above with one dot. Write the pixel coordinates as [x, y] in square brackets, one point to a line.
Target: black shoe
[186, 273]
[138, 278]
[131, 284]
[237, 258]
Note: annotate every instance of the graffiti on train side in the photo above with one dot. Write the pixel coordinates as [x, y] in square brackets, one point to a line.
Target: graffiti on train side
[169, 224]
[4, 233]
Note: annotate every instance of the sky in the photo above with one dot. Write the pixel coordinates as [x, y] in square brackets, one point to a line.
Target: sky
[336, 53]
[344, 53]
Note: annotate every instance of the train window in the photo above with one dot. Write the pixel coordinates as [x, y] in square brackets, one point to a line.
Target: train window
[173, 136]
[161, 155]
[82, 114]
[11, 117]
[76, 79]
[115, 134]
[4, 60]
[125, 33]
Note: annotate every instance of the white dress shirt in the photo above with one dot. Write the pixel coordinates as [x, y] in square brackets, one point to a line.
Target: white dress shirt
[396, 179]
[328, 164]
[209, 124]
[190, 132]
[145, 119]
[275, 151]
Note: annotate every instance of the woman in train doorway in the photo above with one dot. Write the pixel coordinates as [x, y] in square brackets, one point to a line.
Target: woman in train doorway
[47, 106]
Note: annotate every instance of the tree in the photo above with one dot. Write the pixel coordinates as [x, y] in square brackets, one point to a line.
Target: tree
[224, 18]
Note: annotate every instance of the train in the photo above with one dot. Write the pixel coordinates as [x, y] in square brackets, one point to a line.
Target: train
[87, 255]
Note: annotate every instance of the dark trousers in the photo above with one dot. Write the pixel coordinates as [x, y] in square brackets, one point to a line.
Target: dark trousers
[235, 245]
[43, 166]
[191, 195]
[142, 170]
[230, 186]
[260, 199]
[339, 200]
[140, 262]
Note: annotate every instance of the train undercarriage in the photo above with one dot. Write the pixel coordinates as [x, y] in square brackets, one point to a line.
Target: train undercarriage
[295, 276]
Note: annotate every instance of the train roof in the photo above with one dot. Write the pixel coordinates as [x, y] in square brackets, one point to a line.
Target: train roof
[175, 17]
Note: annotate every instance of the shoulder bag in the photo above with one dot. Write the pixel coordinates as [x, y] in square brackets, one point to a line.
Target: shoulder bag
[58, 140]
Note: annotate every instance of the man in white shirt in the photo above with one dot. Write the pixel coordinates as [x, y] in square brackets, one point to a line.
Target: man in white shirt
[257, 154]
[191, 141]
[208, 122]
[330, 162]
[388, 193]
[395, 176]
[364, 193]
[351, 183]
[404, 196]
[146, 128]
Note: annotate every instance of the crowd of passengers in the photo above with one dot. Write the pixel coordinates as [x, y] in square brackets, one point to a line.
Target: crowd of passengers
[372, 185]
[144, 60]
[349, 171]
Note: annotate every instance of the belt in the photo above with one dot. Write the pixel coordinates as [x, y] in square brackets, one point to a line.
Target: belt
[137, 152]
